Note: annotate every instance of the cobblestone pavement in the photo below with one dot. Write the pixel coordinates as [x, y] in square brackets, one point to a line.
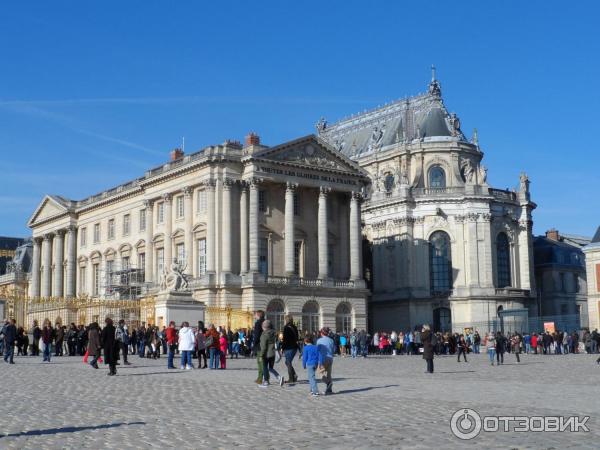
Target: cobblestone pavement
[380, 402]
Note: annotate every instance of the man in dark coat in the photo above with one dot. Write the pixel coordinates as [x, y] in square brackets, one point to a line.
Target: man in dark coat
[426, 340]
[290, 346]
[260, 318]
[110, 346]
[10, 336]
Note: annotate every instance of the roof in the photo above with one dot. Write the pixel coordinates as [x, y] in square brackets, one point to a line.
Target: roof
[574, 239]
[548, 251]
[596, 237]
[420, 117]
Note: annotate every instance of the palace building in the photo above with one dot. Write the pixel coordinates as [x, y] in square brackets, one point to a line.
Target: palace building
[254, 227]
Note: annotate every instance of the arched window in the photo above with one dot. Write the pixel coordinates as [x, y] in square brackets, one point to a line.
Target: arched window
[389, 182]
[437, 177]
[440, 263]
[311, 317]
[276, 314]
[343, 318]
[503, 260]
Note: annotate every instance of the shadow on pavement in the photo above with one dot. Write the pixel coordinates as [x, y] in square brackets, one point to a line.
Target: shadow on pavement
[69, 429]
[353, 391]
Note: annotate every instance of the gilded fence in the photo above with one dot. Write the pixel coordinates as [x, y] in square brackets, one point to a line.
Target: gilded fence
[228, 317]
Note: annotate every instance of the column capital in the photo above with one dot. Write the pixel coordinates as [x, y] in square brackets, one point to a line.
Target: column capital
[227, 183]
[187, 191]
[148, 203]
[71, 229]
[291, 187]
[48, 236]
[243, 185]
[255, 182]
[357, 196]
[167, 197]
[324, 191]
[37, 240]
[60, 233]
[209, 184]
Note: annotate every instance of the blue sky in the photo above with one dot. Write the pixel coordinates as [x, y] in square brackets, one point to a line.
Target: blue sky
[91, 95]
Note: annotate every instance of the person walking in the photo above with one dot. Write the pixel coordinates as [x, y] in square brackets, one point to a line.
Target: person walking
[110, 346]
[310, 362]
[426, 339]
[463, 347]
[268, 338]
[94, 346]
[171, 338]
[212, 344]
[515, 345]
[122, 337]
[256, 334]
[60, 336]
[500, 347]
[325, 346]
[201, 346]
[491, 346]
[223, 348]
[46, 340]
[10, 336]
[289, 346]
[186, 345]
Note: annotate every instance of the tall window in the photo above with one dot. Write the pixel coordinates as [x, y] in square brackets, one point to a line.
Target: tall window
[82, 280]
[141, 262]
[142, 219]
[125, 262]
[160, 213]
[160, 262]
[111, 229]
[343, 318]
[180, 207]
[263, 256]
[276, 314]
[503, 260]
[437, 177]
[311, 317]
[262, 201]
[96, 280]
[202, 203]
[201, 256]
[296, 204]
[126, 224]
[389, 182]
[297, 257]
[110, 267]
[180, 251]
[440, 263]
[82, 236]
[96, 233]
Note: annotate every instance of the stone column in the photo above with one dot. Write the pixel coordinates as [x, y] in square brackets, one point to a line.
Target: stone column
[58, 257]
[47, 272]
[525, 252]
[189, 236]
[35, 267]
[322, 233]
[289, 228]
[210, 227]
[253, 226]
[149, 251]
[167, 199]
[244, 229]
[226, 226]
[70, 288]
[355, 238]
[473, 253]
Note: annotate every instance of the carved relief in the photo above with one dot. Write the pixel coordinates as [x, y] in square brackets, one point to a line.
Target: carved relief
[309, 155]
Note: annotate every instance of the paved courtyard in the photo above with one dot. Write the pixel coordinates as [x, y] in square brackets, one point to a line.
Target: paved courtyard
[380, 402]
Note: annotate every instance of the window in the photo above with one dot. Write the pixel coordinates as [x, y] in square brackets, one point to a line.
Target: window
[503, 260]
[440, 263]
[160, 262]
[563, 282]
[126, 224]
[296, 204]
[111, 229]
[437, 177]
[180, 207]
[297, 257]
[202, 202]
[141, 262]
[311, 317]
[96, 275]
[330, 260]
[160, 213]
[180, 252]
[96, 233]
[110, 267]
[343, 318]
[263, 256]
[576, 282]
[201, 256]
[142, 220]
[125, 262]
[276, 314]
[82, 236]
[389, 182]
[82, 280]
[262, 201]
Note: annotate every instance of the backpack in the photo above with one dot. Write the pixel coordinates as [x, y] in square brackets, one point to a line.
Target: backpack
[119, 335]
[353, 340]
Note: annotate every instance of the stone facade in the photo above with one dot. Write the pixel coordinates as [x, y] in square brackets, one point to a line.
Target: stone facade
[255, 228]
[592, 260]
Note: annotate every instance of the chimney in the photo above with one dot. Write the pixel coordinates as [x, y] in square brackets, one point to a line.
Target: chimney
[553, 234]
[176, 154]
[252, 139]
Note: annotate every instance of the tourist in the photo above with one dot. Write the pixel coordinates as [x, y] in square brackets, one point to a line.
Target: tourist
[500, 347]
[186, 344]
[268, 338]
[22, 342]
[171, 338]
[122, 337]
[212, 344]
[476, 342]
[223, 347]
[201, 347]
[72, 339]
[515, 344]
[141, 340]
[256, 333]
[353, 343]
[325, 348]
[59, 338]
[82, 339]
[310, 362]
[363, 338]
[490, 343]
[463, 347]
[46, 340]
[426, 338]
[9, 330]
[93, 348]
[235, 344]
[110, 346]
[289, 345]
[36, 332]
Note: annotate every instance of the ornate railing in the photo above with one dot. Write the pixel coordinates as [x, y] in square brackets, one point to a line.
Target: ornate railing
[503, 194]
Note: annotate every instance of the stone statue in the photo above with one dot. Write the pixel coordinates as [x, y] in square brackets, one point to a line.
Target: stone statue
[321, 125]
[482, 174]
[468, 170]
[376, 138]
[173, 278]
[524, 182]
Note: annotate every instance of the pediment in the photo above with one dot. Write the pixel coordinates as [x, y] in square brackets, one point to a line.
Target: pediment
[311, 152]
[48, 208]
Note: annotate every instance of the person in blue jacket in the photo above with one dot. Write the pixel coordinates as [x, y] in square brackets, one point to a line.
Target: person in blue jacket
[310, 362]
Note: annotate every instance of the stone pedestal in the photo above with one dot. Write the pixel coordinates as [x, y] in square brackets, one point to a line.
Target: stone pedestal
[178, 307]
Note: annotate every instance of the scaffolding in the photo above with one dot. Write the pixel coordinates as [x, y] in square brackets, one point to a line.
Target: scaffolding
[123, 282]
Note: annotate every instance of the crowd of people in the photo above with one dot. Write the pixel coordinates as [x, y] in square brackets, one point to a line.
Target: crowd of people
[211, 346]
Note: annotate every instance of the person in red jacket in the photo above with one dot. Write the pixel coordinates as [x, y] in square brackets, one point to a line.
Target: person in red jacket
[534, 340]
[171, 335]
